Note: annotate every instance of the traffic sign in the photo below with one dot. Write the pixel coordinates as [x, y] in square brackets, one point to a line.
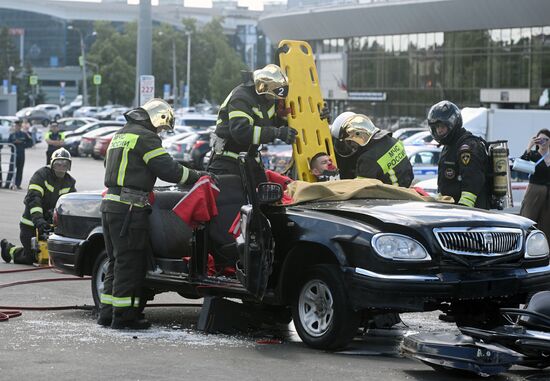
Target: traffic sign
[146, 88]
[33, 80]
[97, 79]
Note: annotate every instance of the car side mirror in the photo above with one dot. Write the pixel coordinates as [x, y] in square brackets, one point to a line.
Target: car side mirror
[269, 193]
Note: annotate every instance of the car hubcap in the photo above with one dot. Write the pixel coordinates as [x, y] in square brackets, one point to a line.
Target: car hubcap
[100, 277]
[315, 307]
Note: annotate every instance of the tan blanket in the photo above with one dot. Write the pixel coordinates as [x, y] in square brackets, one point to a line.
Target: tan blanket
[301, 191]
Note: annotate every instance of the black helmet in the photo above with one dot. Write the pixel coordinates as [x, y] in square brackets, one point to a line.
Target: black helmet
[445, 114]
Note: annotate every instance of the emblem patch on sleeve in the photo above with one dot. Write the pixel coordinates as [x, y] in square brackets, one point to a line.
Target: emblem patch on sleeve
[450, 173]
[465, 157]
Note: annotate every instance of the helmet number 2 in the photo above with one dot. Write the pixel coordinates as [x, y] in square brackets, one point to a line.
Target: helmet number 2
[281, 91]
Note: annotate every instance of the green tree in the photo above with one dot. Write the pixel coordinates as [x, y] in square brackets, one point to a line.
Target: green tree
[215, 66]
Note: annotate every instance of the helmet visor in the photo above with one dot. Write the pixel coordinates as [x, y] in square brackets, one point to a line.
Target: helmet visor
[61, 165]
[358, 129]
[439, 130]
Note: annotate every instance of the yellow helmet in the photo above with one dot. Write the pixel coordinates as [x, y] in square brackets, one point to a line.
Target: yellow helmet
[353, 131]
[271, 81]
[160, 113]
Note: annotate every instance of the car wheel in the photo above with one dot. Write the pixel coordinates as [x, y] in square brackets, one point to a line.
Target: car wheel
[321, 311]
[98, 276]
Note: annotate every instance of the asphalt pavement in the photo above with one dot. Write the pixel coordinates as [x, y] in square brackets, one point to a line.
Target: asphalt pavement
[69, 345]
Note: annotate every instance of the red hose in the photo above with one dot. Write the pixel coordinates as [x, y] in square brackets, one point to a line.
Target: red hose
[24, 270]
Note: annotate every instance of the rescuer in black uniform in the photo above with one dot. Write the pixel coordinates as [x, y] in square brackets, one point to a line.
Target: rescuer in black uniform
[135, 158]
[247, 118]
[463, 164]
[46, 186]
[364, 151]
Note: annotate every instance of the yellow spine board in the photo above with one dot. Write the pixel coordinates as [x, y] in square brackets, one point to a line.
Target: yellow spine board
[305, 102]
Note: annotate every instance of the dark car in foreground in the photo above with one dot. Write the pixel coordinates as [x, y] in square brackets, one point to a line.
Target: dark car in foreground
[333, 264]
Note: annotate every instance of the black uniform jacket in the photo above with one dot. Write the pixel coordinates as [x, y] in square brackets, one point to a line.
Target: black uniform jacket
[45, 188]
[462, 171]
[246, 119]
[385, 159]
[135, 158]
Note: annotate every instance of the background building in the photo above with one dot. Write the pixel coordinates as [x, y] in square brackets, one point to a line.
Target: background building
[394, 58]
[39, 31]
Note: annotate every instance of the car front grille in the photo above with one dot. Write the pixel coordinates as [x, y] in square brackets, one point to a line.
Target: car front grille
[480, 241]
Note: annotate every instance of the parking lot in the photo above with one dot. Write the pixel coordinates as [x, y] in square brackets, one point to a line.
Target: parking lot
[67, 344]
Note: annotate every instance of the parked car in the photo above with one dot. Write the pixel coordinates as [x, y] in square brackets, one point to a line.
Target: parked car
[101, 145]
[34, 115]
[196, 120]
[332, 264]
[420, 138]
[182, 150]
[54, 111]
[111, 112]
[86, 111]
[6, 123]
[73, 138]
[404, 133]
[71, 124]
[424, 159]
[87, 142]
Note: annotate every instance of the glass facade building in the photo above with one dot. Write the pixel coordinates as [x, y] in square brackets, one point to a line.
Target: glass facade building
[416, 70]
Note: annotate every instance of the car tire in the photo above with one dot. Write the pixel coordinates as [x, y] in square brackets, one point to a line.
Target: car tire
[98, 276]
[321, 310]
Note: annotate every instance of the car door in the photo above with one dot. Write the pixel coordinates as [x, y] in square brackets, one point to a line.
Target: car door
[255, 243]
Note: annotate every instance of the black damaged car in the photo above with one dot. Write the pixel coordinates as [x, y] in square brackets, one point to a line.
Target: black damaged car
[332, 265]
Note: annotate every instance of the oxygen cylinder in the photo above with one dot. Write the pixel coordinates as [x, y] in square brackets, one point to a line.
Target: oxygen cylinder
[499, 158]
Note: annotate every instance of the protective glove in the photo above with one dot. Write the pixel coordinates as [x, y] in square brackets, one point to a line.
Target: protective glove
[325, 113]
[286, 134]
[212, 176]
[43, 226]
[195, 175]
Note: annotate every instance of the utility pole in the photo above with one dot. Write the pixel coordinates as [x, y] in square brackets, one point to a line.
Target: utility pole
[83, 55]
[188, 78]
[174, 79]
[144, 44]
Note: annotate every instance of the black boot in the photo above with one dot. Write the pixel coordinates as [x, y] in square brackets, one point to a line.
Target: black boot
[130, 324]
[105, 317]
[5, 245]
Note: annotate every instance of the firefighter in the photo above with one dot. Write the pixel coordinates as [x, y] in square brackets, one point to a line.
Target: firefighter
[248, 117]
[365, 151]
[46, 186]
[134, 160]
[463, 164]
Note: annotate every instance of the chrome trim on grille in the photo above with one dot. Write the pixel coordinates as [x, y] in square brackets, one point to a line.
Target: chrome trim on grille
[480, 241]
[421, 278]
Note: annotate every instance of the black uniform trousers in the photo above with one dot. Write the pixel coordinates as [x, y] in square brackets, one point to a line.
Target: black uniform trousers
[24, 255]
[128, 255]
[221, 165]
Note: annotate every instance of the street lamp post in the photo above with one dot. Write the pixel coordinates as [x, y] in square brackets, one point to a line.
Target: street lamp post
[83, 54]
[96, 66]
[11, 69]
[188, 78]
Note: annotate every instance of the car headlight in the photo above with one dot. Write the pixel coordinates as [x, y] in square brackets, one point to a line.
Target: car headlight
[536, 245]
[398, 247]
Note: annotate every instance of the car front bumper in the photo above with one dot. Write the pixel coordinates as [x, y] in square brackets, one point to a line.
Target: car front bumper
[415, 293]
[66, 254]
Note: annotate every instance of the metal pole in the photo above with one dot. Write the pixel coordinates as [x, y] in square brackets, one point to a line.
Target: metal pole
[144, 43]
[174, 80]
[96, 95]
[84, 79]
[187, 88]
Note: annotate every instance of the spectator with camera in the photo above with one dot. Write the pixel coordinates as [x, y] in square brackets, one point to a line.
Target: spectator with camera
[536, 203]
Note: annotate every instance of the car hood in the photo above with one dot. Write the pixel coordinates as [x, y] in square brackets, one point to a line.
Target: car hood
[415, 213]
